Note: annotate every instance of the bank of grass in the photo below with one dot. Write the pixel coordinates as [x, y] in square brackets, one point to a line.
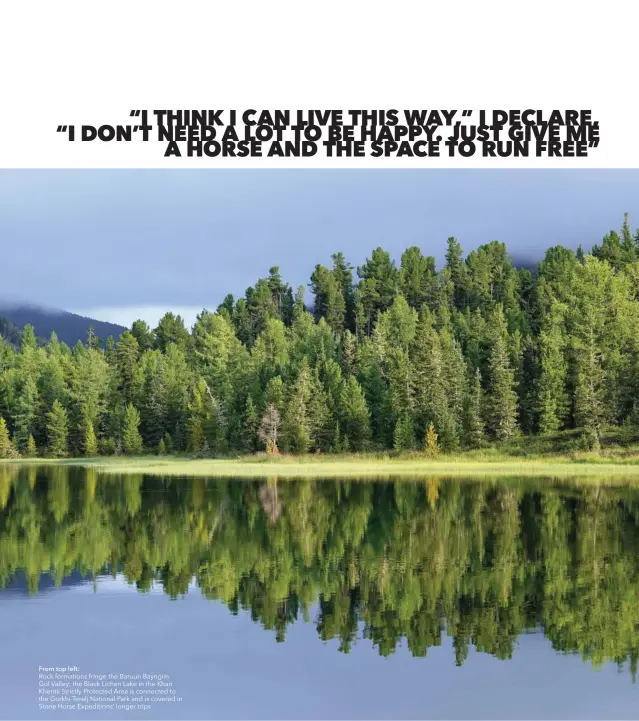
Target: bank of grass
[551, 457]
[475, 464]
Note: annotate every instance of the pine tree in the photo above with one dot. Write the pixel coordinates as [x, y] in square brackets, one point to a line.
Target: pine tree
[337, 445]
[90, 441]
[31, 450]
[404, 436]
[26, 413]
[320, 414]
[356, 422]
[154, 401]
[131, 438]
[127, 353]
[431, 444]
[590, 412]
[454, 374]
[493, 349]
[201, 417]
[58, 431]
[296, 428]
[502, 400]
[250, 425]
[474, 424]
[197, 439]
[552, 400]
[6, 447]
[427, 375]
[161, 448]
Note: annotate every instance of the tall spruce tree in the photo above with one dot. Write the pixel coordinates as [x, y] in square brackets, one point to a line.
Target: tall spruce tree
[404, 437]
[131, 438]
[6, 447]
[355, 418]
[58, 431]
[552, 399]
[90, 441]
[474, 428]
[501, 402]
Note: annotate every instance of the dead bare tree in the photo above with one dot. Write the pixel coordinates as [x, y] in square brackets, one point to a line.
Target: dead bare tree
[269, 427]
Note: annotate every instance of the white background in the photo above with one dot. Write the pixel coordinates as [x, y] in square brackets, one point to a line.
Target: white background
[92, 62]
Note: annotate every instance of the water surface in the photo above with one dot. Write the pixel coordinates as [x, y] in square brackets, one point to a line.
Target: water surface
[319, 599]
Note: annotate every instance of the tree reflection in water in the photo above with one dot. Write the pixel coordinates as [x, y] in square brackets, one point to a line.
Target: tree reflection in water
[480, 561]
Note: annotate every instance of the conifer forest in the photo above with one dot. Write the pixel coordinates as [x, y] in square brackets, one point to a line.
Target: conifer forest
[391, 355]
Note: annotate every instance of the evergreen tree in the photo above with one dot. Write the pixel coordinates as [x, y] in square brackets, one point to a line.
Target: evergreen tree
[427, 376]
[6, 447]
[250, 425]
[457, 272]
[501, 404]
[552, 401]
[478, 348]
[296, 429]
[31, 449]
[127, 352]
[199, 418]
[355, 418]
[320, 413]
[143, 335]
[590, 413]
[58, 431]
[90, 441]
[404, 437]
[25, 413]
[474, 424]
[131, 438]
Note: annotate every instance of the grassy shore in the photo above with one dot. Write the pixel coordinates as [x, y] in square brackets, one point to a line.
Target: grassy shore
[368, 466]
[555, 456]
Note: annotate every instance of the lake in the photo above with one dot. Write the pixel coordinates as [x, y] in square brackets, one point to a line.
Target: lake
[138, 597]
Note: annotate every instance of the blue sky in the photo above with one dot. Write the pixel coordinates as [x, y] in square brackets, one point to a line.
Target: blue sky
[125, 244]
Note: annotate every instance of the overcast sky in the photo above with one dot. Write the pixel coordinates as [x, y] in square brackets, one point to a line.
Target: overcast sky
[118, 245]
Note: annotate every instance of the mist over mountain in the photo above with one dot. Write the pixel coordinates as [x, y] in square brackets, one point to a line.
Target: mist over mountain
[69, 327]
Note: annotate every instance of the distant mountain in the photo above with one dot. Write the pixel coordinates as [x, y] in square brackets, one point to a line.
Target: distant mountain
[10, 332]
[69, 327]
[525, 263]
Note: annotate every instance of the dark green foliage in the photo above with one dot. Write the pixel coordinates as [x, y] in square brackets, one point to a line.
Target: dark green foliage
[90, 441]
[31, 450]
[479, 349]
[58, 431]
[355, 418]
[474, 423]
[404, 437]
[131, 438]
[6, 447]
[501, 402]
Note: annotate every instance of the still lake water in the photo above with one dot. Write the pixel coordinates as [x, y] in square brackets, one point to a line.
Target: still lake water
[318, 599]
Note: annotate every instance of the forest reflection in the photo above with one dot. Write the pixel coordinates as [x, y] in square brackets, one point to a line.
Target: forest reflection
[388, 562]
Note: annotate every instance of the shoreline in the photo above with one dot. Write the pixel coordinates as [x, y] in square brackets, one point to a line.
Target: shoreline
[351, 466]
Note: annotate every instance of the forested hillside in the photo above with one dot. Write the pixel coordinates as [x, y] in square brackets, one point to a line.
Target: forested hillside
[394, 355]
[10, 332]
[69, 327]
